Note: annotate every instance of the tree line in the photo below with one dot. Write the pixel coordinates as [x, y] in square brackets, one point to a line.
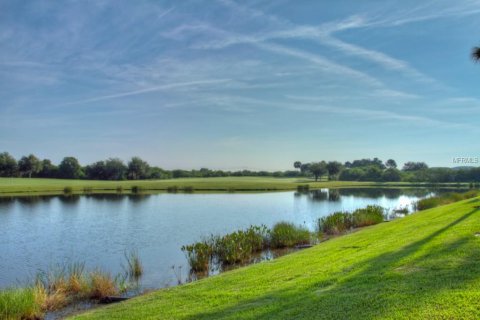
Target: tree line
[379, 171]
[111, 169]
[135, 169]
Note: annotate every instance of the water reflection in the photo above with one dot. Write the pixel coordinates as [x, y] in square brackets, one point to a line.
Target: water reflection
[37, 232]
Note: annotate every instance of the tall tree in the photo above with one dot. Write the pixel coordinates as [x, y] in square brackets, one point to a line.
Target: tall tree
[139, 169]
[391, 164]
[49, 170]
[69, 168]
[414, 166]
[318, 169]
[297, 165]
[115, 169]
[29, 166]
[8, 165]
[333, 168]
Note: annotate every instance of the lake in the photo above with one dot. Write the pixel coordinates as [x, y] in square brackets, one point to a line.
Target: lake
[37, 233]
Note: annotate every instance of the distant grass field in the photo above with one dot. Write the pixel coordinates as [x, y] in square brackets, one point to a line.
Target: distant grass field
[424, 266]
[35, 186]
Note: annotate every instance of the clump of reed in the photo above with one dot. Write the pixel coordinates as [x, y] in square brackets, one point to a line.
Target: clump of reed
[119, 189]
[68, 190]
[443, 199]
[286, 234]
[172, 189]
[198, 255]
[241, 245]
[340, 222]
[20, 303]
[61, 286]
[134, 267]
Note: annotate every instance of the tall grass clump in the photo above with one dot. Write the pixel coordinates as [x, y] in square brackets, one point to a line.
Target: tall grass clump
[443, 199]
[20, 304]
[198, 255]
[335, 223]
[102, 285]
[119, 189]
[134, 265]
[239, 246]
[286, 234]
[368, 216]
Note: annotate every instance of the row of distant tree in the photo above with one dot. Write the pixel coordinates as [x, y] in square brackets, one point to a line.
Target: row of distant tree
[135, 169]
[377, 170]
[111, 169]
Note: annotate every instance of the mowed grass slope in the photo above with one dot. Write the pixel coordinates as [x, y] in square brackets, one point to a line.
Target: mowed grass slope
[425, 266]
[36, 186]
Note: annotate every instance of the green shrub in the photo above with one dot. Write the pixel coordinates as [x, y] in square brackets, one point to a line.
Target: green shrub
[134, 266]
[335, 223]
[68, 190]
[120, 189]
[285, 234]
[198, 255]
[368, 216]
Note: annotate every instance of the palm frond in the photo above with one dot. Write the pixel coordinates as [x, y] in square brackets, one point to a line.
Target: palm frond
[476, 54]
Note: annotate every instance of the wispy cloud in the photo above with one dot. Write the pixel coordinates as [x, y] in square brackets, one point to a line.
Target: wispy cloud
[150, 89]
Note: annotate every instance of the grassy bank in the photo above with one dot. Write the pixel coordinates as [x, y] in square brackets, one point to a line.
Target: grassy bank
[424, 266]
[35, 186]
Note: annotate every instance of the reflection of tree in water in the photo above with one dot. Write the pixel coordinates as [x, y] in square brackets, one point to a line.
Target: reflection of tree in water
[69, 199]
[333, 195]
[32, 200]
[318, 195]
[106, 197]
[138, 197]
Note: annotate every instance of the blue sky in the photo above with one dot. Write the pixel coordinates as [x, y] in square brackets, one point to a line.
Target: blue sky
[240, 84]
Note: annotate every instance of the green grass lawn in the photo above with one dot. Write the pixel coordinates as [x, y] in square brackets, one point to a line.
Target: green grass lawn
[424, 266]
[35, 186]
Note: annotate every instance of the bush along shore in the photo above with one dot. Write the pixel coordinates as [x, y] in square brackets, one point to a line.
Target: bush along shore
[240, 247]
[65, 285]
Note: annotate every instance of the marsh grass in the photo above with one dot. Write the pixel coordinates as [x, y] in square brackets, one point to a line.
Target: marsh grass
[62, 285]
[134, 267]
[340, 222]
[198, 255]
[443, 199]
[16, 303]
[102, 285]
[119, 189]
[240, 246]
[286, 235]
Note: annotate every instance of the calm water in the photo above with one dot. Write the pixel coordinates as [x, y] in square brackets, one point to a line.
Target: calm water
[38, 233]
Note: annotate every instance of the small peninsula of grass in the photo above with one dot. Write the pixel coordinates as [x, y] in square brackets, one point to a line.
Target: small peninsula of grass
[40, 186]
[424, 266]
